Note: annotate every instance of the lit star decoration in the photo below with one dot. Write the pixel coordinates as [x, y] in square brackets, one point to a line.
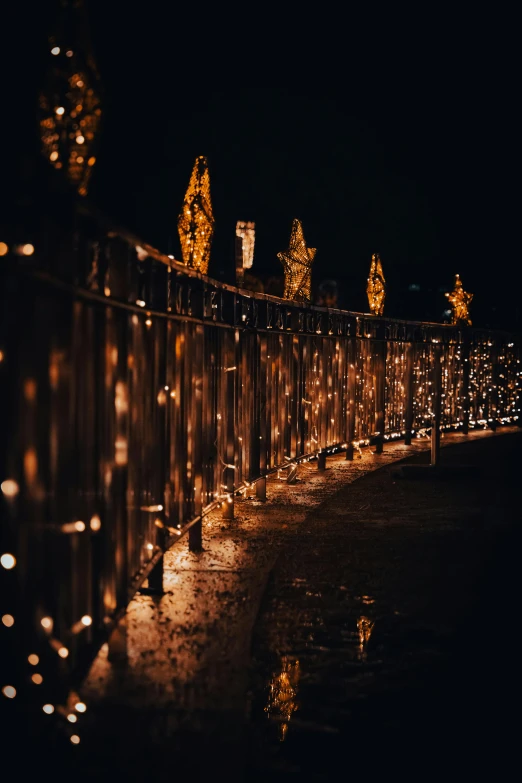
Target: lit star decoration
[460, 301]
[69, 105]
[196, 221]
[297, 262]
[376, 288]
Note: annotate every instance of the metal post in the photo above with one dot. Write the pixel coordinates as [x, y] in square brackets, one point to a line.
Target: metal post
[351, 397]
[436, 406]
[292, 474]
[118, 643]
[155, 578]
[195, 533]
[230, 415]
[493, 392]
[261, 489]
[380, 380]
[408, 393]
[465, 354]
[262, 414]
[321, 461]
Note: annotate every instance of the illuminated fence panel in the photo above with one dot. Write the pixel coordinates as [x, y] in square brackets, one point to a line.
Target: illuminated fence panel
[482, 360]
[452, 386]
[422, 407]
[395, 386]
[141, 394]
[365, 390]
[509, 380]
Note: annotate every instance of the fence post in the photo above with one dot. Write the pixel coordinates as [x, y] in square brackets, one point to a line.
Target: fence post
[380, 380]
[493, 394]
[196, 531]
[155, 578]
[118, 648]
[465, 353]
[261, 414]
[408, 393]
[351, 397]
[230, 369]
[436, 400]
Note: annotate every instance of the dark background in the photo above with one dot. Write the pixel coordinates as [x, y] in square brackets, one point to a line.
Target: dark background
[388, 134]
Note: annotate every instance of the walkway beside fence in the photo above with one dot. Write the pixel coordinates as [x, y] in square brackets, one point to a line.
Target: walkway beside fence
[187, 678]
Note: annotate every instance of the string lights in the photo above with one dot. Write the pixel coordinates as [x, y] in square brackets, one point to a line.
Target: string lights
[460, 301]
[69, 104]
[312, 377]
[196, 220]
[297, 263]
[376, 288]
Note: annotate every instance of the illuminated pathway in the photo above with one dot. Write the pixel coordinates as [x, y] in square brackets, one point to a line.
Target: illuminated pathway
[189, 651]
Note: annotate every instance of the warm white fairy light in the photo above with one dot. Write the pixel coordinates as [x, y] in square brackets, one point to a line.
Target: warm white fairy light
[9, 691]
[48, 709]
[8, 620]
[8, 561]
[10, 488]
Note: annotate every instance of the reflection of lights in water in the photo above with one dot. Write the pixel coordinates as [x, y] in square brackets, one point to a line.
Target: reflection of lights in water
[282, 696]
[364, 628]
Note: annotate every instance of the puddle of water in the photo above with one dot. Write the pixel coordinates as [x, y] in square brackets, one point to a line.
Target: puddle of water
[282, 694]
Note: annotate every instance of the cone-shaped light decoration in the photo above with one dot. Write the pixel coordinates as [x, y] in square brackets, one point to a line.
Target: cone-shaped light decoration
[297, 262]
[69, 106]
[196, 221]
[460, 301]
[376, 288]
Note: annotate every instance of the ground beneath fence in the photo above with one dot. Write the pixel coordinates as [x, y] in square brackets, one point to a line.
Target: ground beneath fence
[334, 622]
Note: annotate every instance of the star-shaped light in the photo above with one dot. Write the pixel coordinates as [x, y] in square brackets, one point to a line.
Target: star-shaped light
[376, 288]
[460, 301]
[196, 221]
[297, 262]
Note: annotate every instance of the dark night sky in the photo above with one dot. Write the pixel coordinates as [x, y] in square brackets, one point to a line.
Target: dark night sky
[400, 141]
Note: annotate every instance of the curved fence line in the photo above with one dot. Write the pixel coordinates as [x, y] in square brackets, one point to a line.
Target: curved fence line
[138, 394]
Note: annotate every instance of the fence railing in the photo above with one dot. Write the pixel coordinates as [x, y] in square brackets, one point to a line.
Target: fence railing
[138, 394]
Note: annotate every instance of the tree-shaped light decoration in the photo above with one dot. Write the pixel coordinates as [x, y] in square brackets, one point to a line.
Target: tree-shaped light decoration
[460, 301]
[376, 288]
[69, 106]
[196, 221]
[297, 262]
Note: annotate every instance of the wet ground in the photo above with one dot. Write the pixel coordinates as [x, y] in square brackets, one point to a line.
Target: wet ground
[387, 639]
[356, 623]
